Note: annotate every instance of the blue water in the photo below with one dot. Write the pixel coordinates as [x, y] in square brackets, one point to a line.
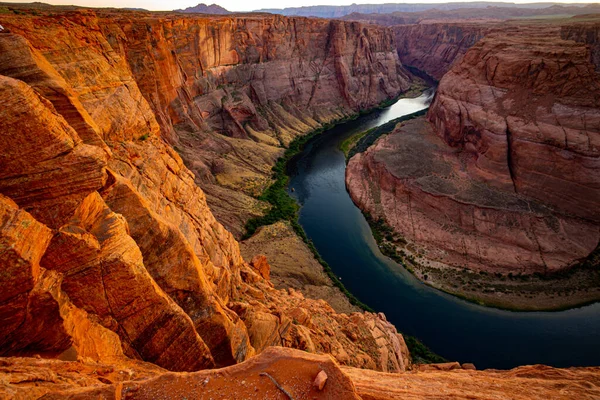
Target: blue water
[451, 327]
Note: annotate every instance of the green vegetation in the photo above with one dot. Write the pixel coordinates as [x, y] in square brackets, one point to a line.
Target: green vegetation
[144, 136]
[386, 237]
[420, 353]
[350, 142]
[364, 140]
[285, 208]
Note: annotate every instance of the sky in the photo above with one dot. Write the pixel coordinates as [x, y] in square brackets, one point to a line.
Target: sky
[239, 5]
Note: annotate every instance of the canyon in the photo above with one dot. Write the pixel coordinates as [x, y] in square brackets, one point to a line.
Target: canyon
[501, 176]
[136, 146]
[128, 260]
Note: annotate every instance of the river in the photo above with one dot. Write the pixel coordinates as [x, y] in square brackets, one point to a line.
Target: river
[453, 328]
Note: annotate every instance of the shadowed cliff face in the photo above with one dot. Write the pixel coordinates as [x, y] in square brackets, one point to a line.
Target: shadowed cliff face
[108, 245]
[508, 180]
[434, 48]
[230, 92]
[585, 32]
[227, 93]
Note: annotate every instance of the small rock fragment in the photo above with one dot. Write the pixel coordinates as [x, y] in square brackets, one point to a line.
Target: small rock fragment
[320, 380]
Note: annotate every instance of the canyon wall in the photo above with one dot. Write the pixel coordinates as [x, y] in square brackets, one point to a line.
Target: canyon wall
[434, 47]
[586, 32]
[504, 176]
[230, 93]
[109, 249]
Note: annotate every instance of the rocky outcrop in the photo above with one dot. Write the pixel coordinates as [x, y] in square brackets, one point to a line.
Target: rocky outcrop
[505, 179]
[434, 47]
[112, 250]
[287, 318]
[293, 265]
[277, 370]
[229, 93]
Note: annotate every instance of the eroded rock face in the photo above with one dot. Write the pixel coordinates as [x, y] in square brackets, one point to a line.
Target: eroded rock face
[434, 47]
[530, 117]
[109, 247]
[293, 370]
[585, 32]
[421, 187]
[287, 318]
[230, 92]
[227, 92]
[505, 179]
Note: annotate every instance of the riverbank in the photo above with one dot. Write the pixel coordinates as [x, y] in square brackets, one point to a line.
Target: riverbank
[285, 209]
[510, 291]
[349, 146]
[574, 288]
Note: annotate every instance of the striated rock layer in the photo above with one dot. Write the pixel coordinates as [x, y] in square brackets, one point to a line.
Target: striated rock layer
[227, 92]
[505, 177]
[433, 48]
[108, 248]
[294, 371]
[230, 92]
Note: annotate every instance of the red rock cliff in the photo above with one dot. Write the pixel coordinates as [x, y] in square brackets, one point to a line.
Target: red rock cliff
[434, 47]
[230, 92]
[111, 248]
[505, 178]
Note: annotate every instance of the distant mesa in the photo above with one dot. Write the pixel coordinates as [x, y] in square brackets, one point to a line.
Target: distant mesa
[400, 7]
[204, 9]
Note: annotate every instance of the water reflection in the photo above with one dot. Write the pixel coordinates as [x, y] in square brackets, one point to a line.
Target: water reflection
[456, 329]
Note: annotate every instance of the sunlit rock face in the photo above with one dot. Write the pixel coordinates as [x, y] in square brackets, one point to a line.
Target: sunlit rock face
[294, 371]
[108, 247]
[504, 175]
[230, 92]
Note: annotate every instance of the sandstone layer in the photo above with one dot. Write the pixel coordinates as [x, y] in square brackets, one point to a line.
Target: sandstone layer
[504, 177]
[227, 92]
[433, 48]
[230, 93]
[294, 372]
[293, 265]
[108, 246]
